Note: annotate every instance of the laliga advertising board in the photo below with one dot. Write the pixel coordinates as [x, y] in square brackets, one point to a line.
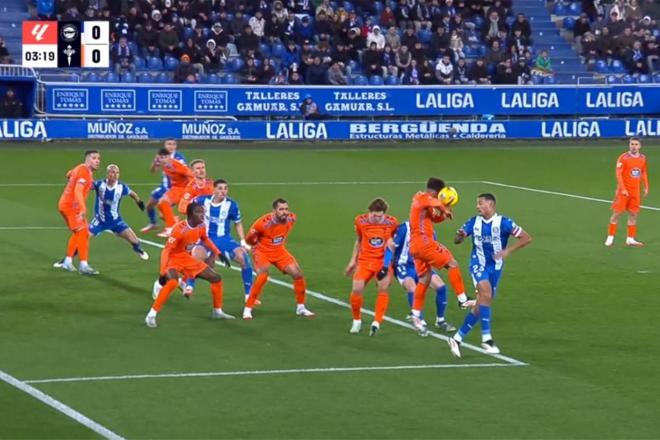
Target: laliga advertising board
[65, 44]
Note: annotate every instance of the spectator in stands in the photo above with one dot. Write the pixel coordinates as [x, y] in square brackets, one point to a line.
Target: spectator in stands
[618, 7]
[606, 44]
[651, 8]
[309, 109]
[426, 73]
[518, 42]
[316, 73]
[633, 11]
[194, 53]
[371, 61]
[615, 24]
[652, 55]
[592, 8]
[403, 14]
[248, 41]
[212, 58]
[581, 27]
[220, 37]
[439, 42]
[250, 72]
[495, 54]
[336, 75]
[387, 18]
[444, 71]
[624, 41]
[523, 25]
[392, 38]
[421, 14]
[522, 71]
[504, 73]
[323, 51]
[274, 30]
[265, 72]
[304, 30]
[147, 40]
[419, 53]
[295, 78]
[168, 40]
[543, 65]
[456, 45]
[323, 27]
[326, 8]
[491, 29]
[237, 25]
[409, 38]
[4, 53]
[10, 106]
[185, 71]
[122, 57]
[461, 74]
[375, 36]
[411, 77]
[291, 54]
[355, 43]
[341, 55]
[589, 49]
[388, 62]
[258, 24]
[201, 11]
[634, 55]
[403, 59]
[479, 72]
[280, 12]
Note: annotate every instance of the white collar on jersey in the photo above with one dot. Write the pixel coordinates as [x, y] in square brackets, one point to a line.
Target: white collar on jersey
[485, 220]
[107, 185]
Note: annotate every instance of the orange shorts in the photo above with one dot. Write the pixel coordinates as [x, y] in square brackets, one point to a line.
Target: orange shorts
[280, 260]
[174, 194]
[365, 272]
[75, 220]
[186, 265]
[631, 203]
[430, 256]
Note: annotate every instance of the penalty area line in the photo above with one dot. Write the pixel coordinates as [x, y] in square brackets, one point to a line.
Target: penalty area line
[303, 183]
[326, 298]
[268, 372]
[60, 407]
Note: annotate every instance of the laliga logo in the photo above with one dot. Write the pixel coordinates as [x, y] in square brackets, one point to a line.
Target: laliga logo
[39, 30]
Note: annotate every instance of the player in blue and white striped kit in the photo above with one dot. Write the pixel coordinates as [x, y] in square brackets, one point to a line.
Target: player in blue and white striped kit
[404, 268]
[165, 185]
[490, 234]
[109, 192]
[221, 212]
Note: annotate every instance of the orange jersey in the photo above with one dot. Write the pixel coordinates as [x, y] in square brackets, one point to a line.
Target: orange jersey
[373, 238]
[79, 175]
[424, 211]
[193, 190]
[630, 172]
[269, 235]
[182, 238]
[178, 173]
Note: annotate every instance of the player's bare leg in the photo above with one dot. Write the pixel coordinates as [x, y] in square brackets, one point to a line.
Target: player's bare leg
[215, 279]
[129, 235]
[382, 302]
[611, 228]
[300, 289]
[165, 207]
[356, 300]
[632, 231]
[258, 285]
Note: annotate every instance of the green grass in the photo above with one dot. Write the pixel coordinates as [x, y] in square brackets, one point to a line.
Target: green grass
[580, 315]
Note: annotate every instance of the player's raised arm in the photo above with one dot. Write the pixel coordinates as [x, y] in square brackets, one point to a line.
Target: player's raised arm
[460, 236]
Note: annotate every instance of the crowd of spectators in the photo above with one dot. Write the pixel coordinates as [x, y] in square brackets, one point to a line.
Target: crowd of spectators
[626, 31]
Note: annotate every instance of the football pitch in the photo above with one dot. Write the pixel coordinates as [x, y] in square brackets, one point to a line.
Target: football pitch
[576, 321]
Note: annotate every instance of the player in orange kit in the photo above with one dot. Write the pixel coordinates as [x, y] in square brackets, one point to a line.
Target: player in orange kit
[72, 207]
[630, 173]
[374, 234]
[425, 210]
[176, 259]
[198, 186]
[179, 175]
[268, 236]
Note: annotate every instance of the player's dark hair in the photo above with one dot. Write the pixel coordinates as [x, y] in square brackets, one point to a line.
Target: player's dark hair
[488, 196]
[217, 182]
[90, 152]
[163, 152]
[378, 205]
[191, 208]
[169, 139]
[636, 138]
[435, 184]
[278, 202]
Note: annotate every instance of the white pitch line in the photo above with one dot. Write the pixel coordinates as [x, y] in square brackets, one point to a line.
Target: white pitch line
[30, 228]
[398, 322]
[59, 406]
[268, 372]
[556, 193]
[305, 183]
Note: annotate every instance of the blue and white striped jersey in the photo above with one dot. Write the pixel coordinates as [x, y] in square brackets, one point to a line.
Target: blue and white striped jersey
[108, 199]
[489, 237]
[219, 216]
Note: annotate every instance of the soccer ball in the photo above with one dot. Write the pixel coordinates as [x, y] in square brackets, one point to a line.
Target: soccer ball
[448, 196]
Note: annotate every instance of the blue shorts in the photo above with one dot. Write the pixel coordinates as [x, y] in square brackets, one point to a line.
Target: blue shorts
[404, 271]
[226, 245]
[490, 274]
[159, 192]
[97, 226]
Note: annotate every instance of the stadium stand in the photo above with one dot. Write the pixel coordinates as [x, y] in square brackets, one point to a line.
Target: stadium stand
[366, 42]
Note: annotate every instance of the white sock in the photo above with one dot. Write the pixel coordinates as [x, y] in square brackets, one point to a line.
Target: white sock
[458, 337]
[486, 337]
[247, 310]
[218, 310]
[416, 313]
[462, 297]
[300, 306]
[83, 263]
[68, 260]
[152, 313]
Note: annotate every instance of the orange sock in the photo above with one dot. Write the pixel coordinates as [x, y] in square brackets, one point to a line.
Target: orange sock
[72, 245]
[216, 291]
[83, 244]
[299, 288]
[382, 301]
[456, 280]
[356, 305]
[420, 296]
[611, 229]
[168, 214]
[632, 231]
[164, 294]
[255, 291]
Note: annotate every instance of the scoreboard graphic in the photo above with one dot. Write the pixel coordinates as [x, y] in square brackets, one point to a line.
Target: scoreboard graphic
[64, 44]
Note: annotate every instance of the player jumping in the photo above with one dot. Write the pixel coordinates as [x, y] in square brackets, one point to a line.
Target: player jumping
[490, 234]
[179, 175]
[374, 234]
[630, 173]
[268, 237]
